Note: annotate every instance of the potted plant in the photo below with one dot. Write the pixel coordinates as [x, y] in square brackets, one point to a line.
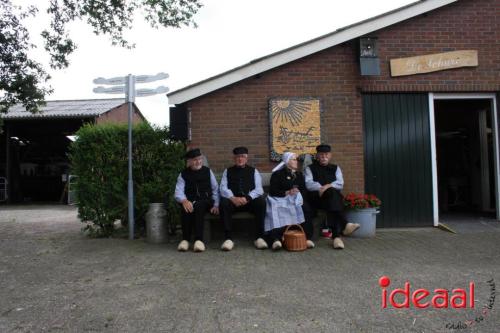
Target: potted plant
[362, 209]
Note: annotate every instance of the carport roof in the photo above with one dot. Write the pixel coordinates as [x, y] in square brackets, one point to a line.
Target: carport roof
[83, 108]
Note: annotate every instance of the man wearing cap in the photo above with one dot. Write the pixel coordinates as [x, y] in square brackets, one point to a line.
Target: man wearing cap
[324, 181]
[197, 192]
[241, 190]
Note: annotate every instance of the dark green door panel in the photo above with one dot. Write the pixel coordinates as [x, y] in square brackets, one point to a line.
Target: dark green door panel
[398, 157]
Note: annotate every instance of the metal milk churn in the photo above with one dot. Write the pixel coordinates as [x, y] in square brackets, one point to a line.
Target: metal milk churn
[156, 223]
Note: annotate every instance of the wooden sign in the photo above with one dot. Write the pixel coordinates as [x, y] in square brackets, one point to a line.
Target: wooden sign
[433, 62]
[294, 126]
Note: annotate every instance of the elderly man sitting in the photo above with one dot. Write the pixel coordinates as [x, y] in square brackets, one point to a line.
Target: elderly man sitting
[197, 192]
[241, 190]
[325, 181]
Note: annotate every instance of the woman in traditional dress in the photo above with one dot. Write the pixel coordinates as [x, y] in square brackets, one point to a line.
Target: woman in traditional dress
[286, 203]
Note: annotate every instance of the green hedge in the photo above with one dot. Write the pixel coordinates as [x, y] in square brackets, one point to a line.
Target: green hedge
[99, 160]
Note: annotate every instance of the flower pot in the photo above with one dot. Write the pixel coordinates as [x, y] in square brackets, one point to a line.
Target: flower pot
[156, 223]
[367, 219]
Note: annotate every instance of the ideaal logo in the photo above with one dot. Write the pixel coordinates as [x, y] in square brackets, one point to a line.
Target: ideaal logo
[461, 298]
[487, 307]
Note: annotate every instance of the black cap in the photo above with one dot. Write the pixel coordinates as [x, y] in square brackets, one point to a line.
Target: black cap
[323, 148]
[192, 153]
[240, 150]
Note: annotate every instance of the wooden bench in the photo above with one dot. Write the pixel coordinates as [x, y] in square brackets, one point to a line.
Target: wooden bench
[266, 177]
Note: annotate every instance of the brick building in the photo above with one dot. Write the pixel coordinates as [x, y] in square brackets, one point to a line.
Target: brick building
[408, 101]
[34, 147]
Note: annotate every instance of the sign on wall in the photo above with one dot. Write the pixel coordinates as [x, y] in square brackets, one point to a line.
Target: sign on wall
[433, 62]
[294, 125]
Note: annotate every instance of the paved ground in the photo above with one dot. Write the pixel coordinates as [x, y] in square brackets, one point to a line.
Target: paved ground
[53, 279]
[467, 223]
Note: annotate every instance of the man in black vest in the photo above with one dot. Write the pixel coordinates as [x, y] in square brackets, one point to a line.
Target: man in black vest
[325, 181]
[197, 192]
[241, 190]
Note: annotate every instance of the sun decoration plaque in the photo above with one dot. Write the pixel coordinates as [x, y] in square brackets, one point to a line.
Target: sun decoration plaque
[294, 125]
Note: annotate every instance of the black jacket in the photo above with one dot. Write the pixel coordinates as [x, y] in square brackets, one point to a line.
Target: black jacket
[323, 174]
[284, 180]
[241, 180]
[198, 184]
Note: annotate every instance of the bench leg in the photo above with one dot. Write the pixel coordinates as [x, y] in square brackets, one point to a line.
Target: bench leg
[316, 227]
[318, 223]
[207, 231]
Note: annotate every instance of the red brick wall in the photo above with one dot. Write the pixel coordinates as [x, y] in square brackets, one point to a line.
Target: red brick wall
[466, 25]
[119, 115]
[238, 114]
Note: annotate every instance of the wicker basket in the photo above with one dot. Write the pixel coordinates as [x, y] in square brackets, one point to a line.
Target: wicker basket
[294, 240]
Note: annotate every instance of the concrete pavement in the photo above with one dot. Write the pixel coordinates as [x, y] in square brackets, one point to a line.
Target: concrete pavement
[53, 279]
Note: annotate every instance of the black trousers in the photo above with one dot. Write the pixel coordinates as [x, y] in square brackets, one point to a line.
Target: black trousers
[307, 225]
[195, 220]
[256, 206]
[332, 202]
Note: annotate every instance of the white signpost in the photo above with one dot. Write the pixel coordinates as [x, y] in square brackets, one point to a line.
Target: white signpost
[126, 85]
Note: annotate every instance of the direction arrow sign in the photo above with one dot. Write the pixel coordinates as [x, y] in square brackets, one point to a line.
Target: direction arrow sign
[113, 81]
[150, 78]
[149, 92]
[111, 90]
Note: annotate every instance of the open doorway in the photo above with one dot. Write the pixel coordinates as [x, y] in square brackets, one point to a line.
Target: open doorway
[465, 159]
[38, 161]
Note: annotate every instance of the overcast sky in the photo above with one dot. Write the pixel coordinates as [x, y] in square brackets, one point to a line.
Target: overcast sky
[230, 33]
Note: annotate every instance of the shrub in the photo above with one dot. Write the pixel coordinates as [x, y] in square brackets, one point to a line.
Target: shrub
[99, 159]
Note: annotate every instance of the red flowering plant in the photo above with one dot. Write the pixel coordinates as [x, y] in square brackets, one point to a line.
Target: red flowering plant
[360, 201]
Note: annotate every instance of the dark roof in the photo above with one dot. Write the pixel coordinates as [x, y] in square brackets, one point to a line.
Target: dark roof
[82, 108]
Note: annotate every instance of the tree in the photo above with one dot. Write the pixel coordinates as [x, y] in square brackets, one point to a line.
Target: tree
[22, 79]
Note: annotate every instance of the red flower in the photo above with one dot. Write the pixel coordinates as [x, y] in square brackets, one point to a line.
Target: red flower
[355, 200]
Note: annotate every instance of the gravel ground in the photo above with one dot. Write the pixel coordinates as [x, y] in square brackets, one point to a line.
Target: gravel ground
[54, 279]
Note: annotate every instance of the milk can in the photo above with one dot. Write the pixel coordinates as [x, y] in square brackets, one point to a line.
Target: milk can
[156, 223]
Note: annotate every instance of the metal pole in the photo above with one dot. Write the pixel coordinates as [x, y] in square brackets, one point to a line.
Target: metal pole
[130, 100]
[129, 88]
[7, 159]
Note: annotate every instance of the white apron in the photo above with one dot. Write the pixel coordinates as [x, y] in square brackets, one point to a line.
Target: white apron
[283, 211]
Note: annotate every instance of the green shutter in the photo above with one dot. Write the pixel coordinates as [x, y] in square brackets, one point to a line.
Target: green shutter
[398, 157]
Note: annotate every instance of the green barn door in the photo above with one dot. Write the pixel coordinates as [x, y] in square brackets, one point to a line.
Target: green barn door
[398, 157]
